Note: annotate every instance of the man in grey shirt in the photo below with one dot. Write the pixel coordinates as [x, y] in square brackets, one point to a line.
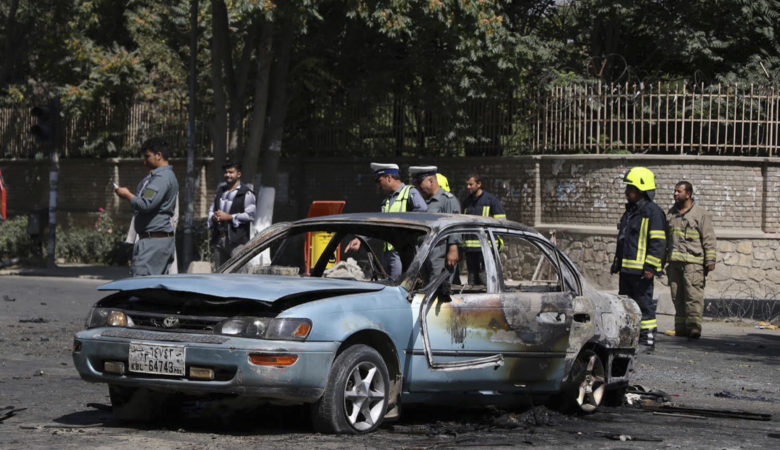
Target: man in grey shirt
[153, 208]
[438, 201]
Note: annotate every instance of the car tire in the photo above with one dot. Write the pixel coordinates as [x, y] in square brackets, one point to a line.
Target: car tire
[133, 404]
[356, 396]
[586, 388]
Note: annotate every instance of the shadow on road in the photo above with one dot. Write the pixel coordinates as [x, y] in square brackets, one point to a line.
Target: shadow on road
[749, 347]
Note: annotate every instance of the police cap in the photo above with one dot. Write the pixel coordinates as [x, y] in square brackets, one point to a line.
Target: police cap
[418, 173]
[384, 169]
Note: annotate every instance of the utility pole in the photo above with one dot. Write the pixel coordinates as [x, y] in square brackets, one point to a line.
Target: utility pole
[46, 130]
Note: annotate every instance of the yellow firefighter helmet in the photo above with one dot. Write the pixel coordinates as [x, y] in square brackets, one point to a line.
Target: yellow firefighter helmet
[443, 183]
[641, 178]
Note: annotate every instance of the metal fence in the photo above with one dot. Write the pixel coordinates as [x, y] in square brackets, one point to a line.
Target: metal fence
[713, 120]
[588, 118]
[407, 128]
[104, 131]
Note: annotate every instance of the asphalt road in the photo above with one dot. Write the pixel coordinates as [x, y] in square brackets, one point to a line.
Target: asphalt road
[44, 403]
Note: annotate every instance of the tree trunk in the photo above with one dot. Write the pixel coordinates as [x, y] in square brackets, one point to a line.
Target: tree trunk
[257, 127]
[219, 125]
[273, 141]
[189, 183]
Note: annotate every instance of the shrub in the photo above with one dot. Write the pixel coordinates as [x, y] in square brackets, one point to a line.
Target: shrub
[15, 242]
[101, 244]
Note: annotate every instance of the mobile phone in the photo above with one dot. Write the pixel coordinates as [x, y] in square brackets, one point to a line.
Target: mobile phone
[116, 186]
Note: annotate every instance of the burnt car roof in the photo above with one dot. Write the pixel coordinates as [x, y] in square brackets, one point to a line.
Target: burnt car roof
[416, 219]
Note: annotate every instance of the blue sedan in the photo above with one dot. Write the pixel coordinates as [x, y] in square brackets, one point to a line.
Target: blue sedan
[307, 313]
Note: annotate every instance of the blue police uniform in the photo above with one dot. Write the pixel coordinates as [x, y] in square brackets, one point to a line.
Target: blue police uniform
[406, 198]
[154, 250]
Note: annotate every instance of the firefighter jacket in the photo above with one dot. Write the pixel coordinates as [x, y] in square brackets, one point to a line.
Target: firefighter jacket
[641, 239]
[486, 205]
[690, 238]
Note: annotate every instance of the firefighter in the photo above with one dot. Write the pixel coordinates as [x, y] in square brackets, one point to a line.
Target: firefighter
[692, 252]
[640, 248]
[479, 203]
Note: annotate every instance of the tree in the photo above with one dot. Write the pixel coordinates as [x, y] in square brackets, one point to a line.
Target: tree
[697, 40]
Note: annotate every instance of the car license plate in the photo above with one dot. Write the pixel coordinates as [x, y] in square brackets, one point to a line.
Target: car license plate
[156, 359]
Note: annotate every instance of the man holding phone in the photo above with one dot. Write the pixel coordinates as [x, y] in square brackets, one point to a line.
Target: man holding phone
[153, 252]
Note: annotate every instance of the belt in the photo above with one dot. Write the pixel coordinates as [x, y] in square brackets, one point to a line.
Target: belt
[154, 234]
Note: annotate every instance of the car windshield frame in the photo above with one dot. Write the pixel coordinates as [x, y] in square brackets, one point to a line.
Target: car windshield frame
[410, 237]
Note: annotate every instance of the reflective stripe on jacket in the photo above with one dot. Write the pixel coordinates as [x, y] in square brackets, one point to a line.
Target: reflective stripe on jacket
[691, 238]
[641, 238]
[486, 205]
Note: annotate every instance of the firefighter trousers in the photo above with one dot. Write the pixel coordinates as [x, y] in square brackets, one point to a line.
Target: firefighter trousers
[686, 282]
[641, 290]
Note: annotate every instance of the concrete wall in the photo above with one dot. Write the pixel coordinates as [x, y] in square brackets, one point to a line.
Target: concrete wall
[580, 197]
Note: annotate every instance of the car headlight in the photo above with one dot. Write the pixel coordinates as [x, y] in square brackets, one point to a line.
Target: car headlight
[107, 317]
[265, 328]
[252, 327]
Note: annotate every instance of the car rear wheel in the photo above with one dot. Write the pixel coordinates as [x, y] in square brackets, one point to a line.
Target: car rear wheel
[588, 383]
[356, 396]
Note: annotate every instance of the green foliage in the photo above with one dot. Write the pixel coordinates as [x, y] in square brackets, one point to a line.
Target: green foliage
[201, 238]
[101, 244]
[15, 242]
[700, 41]
[437, 59]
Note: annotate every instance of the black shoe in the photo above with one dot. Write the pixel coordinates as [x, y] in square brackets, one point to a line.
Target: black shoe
[645, 348]
[694, 334]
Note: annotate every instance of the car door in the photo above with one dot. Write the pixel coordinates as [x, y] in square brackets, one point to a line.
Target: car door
[447, 337]
[504, 336]
[536, 301]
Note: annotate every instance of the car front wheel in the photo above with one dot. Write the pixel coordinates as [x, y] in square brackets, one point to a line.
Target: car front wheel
[133, 404]
[356, 396]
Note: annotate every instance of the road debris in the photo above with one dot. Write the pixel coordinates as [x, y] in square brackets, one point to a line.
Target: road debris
[710, 412]
[628, 437]
[35, 320]
[760, 398]
[8, 412]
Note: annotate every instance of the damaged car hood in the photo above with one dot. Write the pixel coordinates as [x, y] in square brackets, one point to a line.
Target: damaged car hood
[265, 288]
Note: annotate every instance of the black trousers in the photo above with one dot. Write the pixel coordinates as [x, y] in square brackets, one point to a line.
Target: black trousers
[641, 290]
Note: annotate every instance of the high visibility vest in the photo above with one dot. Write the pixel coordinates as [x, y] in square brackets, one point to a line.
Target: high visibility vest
[398, 204]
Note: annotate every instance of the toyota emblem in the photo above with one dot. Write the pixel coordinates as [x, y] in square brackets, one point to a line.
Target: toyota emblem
[171, 322]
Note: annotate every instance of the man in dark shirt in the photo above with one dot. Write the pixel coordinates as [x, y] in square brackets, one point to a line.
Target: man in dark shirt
[231, 214]
[478, 203]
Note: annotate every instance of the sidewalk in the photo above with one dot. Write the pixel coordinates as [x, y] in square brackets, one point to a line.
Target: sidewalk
[85, 271]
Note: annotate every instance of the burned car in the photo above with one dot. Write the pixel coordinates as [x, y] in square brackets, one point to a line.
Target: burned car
[294, 319]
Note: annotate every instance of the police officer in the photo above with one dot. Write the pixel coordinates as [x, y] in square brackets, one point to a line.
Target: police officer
[439, 201]
[154, 250]
[400, 197]
[231, 214]
[640, 248]
[478, 203]
[692, 250]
